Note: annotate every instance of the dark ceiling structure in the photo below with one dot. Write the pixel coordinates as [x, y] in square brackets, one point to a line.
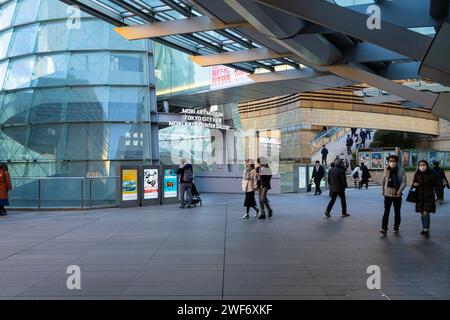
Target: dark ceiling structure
[330, 37]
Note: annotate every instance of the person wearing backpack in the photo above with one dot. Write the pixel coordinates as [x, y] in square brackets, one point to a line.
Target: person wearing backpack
[356, 175]
[186, 176]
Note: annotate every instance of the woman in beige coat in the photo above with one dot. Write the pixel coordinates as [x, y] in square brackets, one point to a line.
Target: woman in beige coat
[249, 185]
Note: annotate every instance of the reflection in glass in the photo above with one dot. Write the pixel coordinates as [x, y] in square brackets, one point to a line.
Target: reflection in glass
[50, 70]
[88, 68]
[5, 38]
[28, 11]
[19, 73]
[6, 14]
[127, 69]
[24, 40]
[52, 36]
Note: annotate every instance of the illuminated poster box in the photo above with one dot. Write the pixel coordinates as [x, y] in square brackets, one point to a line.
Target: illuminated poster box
[151, 187]
[170, 183]
[129, 185]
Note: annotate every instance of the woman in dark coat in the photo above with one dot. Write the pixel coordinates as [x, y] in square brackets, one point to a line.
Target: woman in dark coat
[427, 186]
[5, 187]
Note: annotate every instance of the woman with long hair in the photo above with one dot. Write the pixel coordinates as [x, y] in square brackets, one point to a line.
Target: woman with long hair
[5, 188]
[426, 186]
[249, 185]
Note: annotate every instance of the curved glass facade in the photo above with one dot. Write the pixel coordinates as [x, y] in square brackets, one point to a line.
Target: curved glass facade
[75, 97]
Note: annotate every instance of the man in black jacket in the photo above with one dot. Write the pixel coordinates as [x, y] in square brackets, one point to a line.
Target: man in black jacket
[338, 183]
[264, 176]
[318, 174]
[349, 144]
[324, 153]
[186, 176]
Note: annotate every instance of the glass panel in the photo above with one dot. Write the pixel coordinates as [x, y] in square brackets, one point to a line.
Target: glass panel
[103, 191]
[117, 42]
[46, 140]
[176, 73]
[16, 150]
[26, 11]
[50, 70]
[61, 193]
[93, 34]
[3, 67]
[52, 36]
[127, 141]
[24, 40]
[87, 141]
[51, 9]
[15, 107]
[6, 14]
[88, 104]
[128, 104]
[126, 69]
[48, 105]
[88, 68]
[5, 38]
[24, 193]
[19, 73]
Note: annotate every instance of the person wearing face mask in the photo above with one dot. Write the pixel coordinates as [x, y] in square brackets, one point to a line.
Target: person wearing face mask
[394, 182]
[427, 186]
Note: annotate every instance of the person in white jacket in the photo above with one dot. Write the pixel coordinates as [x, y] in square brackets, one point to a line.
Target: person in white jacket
[357, 175]
[249, 186]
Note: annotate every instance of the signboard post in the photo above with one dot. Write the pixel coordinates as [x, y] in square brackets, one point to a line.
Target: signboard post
[151, 185]
[129, 186]
[169, 184]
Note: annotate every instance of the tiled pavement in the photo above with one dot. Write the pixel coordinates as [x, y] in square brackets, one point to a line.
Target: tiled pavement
[164, 252]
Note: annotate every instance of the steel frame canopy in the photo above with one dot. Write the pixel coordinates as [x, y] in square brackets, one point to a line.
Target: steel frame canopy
[329, 36]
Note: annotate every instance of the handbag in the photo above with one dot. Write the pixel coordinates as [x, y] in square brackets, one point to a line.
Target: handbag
[412, 195]
[308, 189]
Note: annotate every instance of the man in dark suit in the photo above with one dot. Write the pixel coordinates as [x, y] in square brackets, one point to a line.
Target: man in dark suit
[338, 183]
[318, 174]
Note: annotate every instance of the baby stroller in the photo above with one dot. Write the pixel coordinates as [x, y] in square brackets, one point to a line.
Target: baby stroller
[196, 196]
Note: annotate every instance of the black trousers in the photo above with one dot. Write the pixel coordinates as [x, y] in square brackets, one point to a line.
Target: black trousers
[334, 195]
[324, 159]
[364, 182]
[397, 202]
[317, 183]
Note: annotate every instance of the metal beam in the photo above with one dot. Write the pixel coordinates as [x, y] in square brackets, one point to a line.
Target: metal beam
[439, 8]
[408, 43]
[174, 27]
[425, 99]
[237, 56]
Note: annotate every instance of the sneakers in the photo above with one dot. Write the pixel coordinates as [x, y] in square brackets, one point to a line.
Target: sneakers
[327, 214]
[396, 230]
[425, 233]
[262, 216]
[344, 215]
[382, 231]
[245, 216]
[270, 213]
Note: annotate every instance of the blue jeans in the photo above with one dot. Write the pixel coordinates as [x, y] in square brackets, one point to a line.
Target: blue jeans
[425, 216]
